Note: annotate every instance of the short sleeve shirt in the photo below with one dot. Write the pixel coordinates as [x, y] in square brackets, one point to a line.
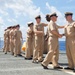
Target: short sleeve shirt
[52, 26]
[29, 33]
[70, 29]
[39, 27]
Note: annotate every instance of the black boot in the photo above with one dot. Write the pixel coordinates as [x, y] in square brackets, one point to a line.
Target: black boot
[45, 67]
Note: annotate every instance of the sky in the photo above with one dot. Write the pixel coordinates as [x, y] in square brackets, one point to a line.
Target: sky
[14, 12]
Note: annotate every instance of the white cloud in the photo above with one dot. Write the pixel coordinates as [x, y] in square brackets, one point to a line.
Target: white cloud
[19, 8]
[61, 19]
[13, 21]
[1, 28]
[3, 12]
[1, 21]
[24, 31]
[23, 7]
[27, 9]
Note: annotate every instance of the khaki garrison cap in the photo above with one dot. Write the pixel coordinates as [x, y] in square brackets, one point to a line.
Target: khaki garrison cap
[17, 25]
[68, 13]
[53, 14]
[38, 17]
[9, 27]
[30, 23]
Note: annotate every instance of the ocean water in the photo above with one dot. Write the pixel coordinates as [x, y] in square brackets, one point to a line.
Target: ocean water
[61, 45]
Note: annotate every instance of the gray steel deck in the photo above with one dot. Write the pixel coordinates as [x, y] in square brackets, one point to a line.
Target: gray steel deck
[10, 65]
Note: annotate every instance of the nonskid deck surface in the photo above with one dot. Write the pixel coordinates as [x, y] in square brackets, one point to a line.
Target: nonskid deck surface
[10, 65]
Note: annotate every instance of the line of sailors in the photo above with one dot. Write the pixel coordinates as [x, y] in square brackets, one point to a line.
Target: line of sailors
[12, 40]
[35, 41]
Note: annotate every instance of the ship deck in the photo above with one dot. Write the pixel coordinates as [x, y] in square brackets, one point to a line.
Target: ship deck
[10, 65]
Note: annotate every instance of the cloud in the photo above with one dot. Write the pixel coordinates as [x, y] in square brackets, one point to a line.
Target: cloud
[13, 21]
[14, 11]
[3, 12]
[1, 21]
[24, 31]
[61, 19]
[23, 7]
[22, 11]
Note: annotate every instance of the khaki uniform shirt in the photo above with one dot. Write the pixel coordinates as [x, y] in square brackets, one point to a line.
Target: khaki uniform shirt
[7, 33]
[30, 33]
[11, 34]
[52, 26]
[17, 35]
[39, 27]
[4, 35]
[70, 29]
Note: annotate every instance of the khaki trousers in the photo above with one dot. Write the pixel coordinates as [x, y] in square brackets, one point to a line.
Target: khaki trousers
[29, 48]
[4, 45]
[53, 53]
[12, 46]
[70, 51]
[17, 49]
[7, 45]
[46, 49]
[39, 47]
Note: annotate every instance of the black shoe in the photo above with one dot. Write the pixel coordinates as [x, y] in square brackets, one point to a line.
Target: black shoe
[67, 68]
[50, 63]
[45, 67]
[28, 58]
[5, 53]
[25, 58]
[74, 70]
[19, 55]
[58, 67]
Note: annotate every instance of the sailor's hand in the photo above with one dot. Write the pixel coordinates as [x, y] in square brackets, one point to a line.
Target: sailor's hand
[60, 36]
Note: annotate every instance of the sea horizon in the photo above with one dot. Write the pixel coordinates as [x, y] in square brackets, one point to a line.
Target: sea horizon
[61, 45]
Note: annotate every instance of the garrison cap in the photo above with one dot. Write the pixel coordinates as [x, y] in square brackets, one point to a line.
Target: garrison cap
[5, 29]
[17, 25]
[30, 23]
[9, 27]
[13, 26]
[68, 13]
[38, 16]
[53, 14]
